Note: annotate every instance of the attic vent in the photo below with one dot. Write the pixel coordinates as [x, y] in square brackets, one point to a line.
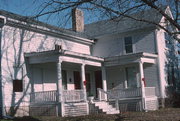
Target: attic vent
[58, 47]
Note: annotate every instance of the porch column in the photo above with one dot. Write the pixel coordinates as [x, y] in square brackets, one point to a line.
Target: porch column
[59, 88]
[83, 79]
[142, 84]
[104, 82]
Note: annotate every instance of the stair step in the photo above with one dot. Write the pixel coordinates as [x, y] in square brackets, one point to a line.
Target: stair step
[115, 112]
[106, 108]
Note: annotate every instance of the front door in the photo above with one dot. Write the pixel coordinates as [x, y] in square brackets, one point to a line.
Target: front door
[98, 80]
[77, 80]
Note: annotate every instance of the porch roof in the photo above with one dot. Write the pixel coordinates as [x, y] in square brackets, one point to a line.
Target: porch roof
[65, 55]
[130, 58]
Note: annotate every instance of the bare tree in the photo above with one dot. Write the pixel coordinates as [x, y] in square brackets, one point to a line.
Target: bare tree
[111, 9]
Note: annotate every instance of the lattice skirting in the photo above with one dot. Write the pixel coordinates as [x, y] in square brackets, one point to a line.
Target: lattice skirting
[76, 109]
[43, 110]
[128, 105]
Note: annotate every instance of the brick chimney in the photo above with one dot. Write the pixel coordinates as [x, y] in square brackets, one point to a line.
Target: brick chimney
[77, 20]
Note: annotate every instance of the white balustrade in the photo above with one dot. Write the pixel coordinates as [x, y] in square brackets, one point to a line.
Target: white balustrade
[124, 93]
[51, 96]
[45, 96]
[73, 95]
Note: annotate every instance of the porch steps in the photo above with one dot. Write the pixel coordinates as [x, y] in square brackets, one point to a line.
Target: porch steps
[106, 108]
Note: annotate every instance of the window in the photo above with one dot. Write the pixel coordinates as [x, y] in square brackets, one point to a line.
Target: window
[17, 85]
[131, 77]
[128, 44]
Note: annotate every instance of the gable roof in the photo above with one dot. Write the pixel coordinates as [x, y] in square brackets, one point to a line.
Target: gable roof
[37, 26]
[123, 24]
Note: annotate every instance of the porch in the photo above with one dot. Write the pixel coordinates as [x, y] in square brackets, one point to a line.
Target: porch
[67, 81]
[62, 80]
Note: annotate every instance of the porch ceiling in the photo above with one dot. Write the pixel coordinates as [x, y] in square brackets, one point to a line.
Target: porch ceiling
[64, 56]
[131, 58]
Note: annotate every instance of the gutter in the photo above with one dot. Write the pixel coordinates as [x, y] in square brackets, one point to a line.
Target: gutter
[52, 32]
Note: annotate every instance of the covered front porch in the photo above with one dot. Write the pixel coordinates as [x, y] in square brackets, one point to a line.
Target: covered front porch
[63, 79]
[66, 81]
[132, 77]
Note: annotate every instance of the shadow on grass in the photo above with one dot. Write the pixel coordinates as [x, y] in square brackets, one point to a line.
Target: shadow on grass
[119, 118]
[99, 117]
[26, 118]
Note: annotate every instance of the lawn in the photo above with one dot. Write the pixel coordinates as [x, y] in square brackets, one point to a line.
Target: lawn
[168, 114]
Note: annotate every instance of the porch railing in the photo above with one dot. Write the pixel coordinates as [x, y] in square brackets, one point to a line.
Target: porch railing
[73, 95]
[45, 96]
[103, 94]
[125, 93]
[51, 96]
[150, 91]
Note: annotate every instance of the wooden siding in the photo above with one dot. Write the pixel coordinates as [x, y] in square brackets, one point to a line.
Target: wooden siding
[20, 111]
[16, 42]
[111, 45]
[151, 76]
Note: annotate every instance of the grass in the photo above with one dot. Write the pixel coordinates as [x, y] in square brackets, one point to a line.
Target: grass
[168, 114]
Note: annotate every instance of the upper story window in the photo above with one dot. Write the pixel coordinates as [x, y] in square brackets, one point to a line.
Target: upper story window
[128, 44]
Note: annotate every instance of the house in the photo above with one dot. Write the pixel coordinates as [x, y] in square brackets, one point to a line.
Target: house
[46, 70]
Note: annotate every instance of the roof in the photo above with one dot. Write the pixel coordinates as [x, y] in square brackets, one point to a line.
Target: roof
[123, 24]
[29, 21]
[64, 53]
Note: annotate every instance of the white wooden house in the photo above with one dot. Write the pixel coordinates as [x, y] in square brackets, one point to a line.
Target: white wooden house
[46, 70]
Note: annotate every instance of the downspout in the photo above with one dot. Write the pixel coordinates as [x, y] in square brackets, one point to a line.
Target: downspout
[2, 22]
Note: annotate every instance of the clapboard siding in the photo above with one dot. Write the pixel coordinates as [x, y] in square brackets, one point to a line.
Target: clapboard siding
[16, 42]
[18, 111]
[152, 103]
[75, 109]
[151, 76]
[113, 44]
[115, 77]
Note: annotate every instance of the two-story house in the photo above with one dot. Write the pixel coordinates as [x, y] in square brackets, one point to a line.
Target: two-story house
[46, 70]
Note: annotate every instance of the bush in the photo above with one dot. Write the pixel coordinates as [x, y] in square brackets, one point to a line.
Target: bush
[173, 99]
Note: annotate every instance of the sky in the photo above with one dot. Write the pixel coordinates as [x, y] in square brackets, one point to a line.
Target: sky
[23, 7]
[30, 8]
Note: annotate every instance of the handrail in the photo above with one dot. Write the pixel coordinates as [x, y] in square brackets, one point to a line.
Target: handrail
[126, 93]
[116, 99]
[73, 95]
[44, 96]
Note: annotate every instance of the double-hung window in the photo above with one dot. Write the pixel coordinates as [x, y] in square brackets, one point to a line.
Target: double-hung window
[128, 44]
